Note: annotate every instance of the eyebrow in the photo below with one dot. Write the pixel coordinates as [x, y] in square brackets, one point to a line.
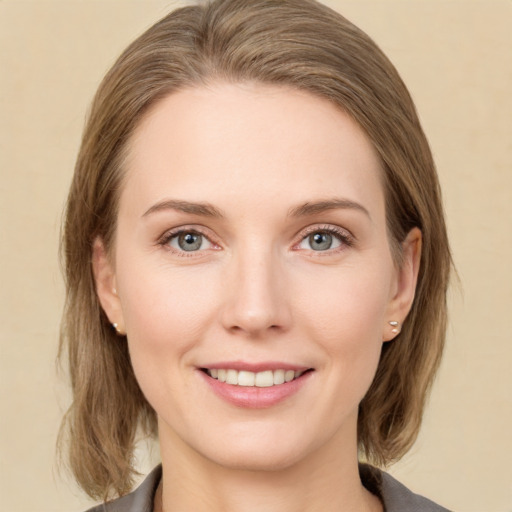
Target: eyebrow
[312, 208]
[203, 209]
[208, 210]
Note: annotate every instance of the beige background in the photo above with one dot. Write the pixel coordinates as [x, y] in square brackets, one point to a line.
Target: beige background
[456, 58]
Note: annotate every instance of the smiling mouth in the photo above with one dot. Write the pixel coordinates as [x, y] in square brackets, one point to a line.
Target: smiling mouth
[264, 379]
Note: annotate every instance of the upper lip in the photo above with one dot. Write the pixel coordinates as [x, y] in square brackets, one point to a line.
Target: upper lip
[255, 367]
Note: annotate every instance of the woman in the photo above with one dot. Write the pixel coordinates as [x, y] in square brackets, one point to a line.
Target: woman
[256, 264]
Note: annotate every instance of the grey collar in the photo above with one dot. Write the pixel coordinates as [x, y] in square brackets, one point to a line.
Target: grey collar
[395, 496]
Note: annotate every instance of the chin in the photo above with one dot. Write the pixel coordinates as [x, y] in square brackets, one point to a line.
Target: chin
[254, 460]
[262, 451]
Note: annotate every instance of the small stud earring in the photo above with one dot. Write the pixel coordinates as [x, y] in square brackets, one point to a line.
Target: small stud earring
[395, 325]
[118, 331]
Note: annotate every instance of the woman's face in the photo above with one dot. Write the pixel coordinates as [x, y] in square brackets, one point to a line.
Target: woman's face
[252, 246]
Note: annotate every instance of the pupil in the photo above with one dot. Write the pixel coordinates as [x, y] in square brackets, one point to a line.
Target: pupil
[321, 241]
[190, 241]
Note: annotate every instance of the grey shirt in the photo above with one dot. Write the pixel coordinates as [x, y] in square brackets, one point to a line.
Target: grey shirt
[394, 496]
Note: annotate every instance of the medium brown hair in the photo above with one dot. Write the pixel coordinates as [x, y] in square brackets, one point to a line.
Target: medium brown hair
[296, 43]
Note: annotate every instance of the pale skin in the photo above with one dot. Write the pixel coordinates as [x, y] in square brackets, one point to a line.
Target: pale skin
[284, 256]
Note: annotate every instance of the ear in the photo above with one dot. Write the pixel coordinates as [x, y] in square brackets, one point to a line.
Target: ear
[105, 279]
[407, 277]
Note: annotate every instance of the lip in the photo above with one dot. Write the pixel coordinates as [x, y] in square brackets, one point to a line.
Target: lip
[255, 397]
[255, 367]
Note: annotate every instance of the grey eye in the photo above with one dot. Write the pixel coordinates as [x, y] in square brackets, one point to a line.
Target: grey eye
[189, 241]
[320, 241]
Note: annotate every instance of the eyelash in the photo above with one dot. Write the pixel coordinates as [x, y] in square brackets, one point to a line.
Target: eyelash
[166, 238]
[343, 236]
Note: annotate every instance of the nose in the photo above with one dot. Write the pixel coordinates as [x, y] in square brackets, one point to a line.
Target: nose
[256, 301]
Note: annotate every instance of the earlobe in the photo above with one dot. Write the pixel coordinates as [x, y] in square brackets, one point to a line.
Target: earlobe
[105, 280]
[407, 278]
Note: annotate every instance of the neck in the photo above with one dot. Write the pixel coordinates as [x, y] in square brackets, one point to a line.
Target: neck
[328, 481]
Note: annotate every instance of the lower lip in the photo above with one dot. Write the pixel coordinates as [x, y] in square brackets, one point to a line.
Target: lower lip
[252, 397]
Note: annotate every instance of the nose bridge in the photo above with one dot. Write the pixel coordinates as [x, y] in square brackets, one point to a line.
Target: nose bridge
[257, 300]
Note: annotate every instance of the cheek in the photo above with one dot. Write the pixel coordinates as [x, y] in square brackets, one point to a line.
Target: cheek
[166, 313]
[345, 313]
[345, 304]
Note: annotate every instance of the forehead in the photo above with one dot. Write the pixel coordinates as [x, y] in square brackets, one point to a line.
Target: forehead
[253, 140]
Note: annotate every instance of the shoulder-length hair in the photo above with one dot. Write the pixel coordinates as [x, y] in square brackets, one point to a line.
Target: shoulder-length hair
[296, 43]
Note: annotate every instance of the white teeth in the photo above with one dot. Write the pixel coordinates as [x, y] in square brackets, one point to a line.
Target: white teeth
[289, 375]
[232, 377]
[263, 379]
[246, 378]
[279, 377]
